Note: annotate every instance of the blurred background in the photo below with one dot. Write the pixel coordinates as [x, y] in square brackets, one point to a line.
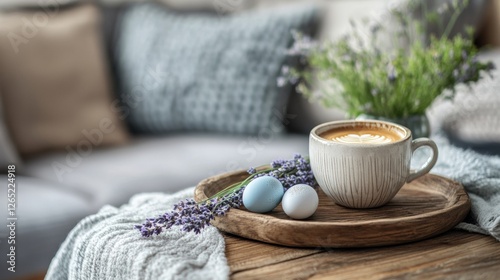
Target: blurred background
[100, 100]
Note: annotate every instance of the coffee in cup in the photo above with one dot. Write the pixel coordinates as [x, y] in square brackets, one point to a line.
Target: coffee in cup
[366, 134]
[363, 164]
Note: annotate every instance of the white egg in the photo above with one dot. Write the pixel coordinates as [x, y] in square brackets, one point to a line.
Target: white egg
[300, 201]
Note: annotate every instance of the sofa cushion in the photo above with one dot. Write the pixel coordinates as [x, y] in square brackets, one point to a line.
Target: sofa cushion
[164, 164]
[205, 72]
[8, 153]
[46, 212]
[54, 80]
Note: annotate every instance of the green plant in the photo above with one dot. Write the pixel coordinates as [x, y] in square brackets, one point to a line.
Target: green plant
[404, 81]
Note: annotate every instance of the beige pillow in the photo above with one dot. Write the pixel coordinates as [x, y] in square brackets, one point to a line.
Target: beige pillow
[55, 82]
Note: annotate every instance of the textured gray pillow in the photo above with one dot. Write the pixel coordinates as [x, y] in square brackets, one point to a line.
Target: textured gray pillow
[205, 72]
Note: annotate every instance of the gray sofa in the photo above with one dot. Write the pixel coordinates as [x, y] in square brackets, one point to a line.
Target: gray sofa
[50, 205]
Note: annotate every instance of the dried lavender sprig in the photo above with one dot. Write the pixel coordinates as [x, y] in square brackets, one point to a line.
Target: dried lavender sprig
[193, 216]
[291, 172]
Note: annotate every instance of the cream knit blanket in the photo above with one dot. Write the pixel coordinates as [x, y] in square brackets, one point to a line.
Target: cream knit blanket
[106, 246]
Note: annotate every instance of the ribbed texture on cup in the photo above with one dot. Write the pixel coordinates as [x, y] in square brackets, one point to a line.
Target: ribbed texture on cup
[360, 177]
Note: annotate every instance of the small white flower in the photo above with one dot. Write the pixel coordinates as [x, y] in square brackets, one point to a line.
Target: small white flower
[281, 81]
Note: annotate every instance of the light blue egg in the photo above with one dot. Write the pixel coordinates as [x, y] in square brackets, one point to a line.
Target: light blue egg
[263, 194]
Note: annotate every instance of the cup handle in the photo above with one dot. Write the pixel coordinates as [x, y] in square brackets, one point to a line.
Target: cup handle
[415, 144]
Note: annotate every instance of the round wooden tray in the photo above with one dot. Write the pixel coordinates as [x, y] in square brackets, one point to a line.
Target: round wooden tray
[423, 208]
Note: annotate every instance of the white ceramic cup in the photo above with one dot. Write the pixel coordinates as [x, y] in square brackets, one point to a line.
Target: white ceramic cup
[360, 175]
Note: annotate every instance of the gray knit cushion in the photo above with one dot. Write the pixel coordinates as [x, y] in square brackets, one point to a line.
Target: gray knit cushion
[206, 72]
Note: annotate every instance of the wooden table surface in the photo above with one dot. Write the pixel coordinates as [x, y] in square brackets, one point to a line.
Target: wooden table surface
[453, 255]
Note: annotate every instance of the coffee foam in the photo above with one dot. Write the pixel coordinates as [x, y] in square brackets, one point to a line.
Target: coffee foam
[362, 135]
[366, 138]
